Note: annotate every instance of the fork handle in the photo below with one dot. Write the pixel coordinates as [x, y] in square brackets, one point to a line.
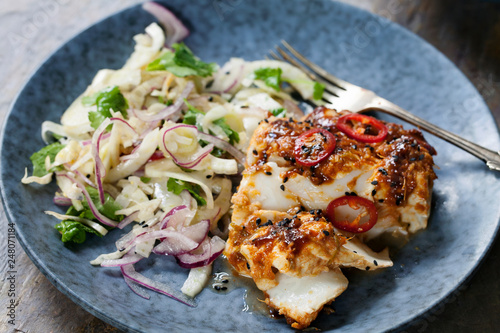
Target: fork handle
[490, 157]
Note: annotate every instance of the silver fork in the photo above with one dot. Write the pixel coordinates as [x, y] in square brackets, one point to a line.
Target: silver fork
[347, 96]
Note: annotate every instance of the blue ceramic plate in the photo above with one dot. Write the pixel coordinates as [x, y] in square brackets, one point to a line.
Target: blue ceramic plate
[353, 44]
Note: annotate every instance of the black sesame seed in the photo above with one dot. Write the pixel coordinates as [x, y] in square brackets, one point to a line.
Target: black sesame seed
[244, 106]
[223, 288]
[312, 211]
[355, 251]
[217, 287]
[248, 265]
[375, 262]
[269, 173]
[374, 192]
[255, 152]
[347, 193]
[228, 72]
[367, 268]
[326, 232]
[211, 98]
[258, 221]
[354, 147]
[293, 160]
[421, 157]
[380, 200]
[282, 187]
[145, 226]
[286, 158]
[383, 171]
[317, 218]
[290, 119]
[209, 176]
[267, 121]
[285, 179]
[374, 182]
[413, 159]
[225, 281]
[319, 211]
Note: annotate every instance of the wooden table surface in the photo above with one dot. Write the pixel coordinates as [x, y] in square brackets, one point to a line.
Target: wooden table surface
[466, 31]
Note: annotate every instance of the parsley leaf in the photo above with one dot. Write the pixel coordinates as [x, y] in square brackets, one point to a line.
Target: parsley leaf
[191, 116]
[270, 76]
[106, 99]
[38, 158]
[231, 134]
[177, 186]
[108, 209]
[319, 88]
[279, 112]
[182, 63]
[73, 231]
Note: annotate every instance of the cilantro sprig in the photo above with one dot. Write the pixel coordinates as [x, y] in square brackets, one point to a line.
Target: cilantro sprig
[181, 63]
[38, 158]
[106, 100]
[177, 186]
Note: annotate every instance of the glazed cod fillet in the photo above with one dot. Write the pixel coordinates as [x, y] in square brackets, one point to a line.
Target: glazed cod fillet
[279, 235]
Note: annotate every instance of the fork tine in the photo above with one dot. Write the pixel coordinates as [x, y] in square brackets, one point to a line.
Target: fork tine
[332, 89]
[317, 69]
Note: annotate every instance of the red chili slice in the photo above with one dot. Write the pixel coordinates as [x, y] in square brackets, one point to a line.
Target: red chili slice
[362, 128]
[313, 146]
[340, 213]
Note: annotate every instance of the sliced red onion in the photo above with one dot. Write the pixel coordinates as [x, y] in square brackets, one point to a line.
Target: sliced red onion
[208, 251]
[219, 143]
[196, 158]
[170, 110]
[176, 244]
[128, 259]
[88, 142]
[126, 221]
[85, 179]
[127, 239]
[136, 288]
[175, 31]
[100, 171]
[197, 232]
[62, 201]
[129, 272]
[100, 217]
[157, 155]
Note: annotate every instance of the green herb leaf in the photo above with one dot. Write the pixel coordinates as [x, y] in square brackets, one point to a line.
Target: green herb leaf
[319, 88]
[73, 231]
[108, 209]
[106, 100]
[231, 134]
[145, 179]
[270, 76]
[167, 102]
[191, 116]
[279, 112]
[38, 159]
[182, 63]
[177, 186]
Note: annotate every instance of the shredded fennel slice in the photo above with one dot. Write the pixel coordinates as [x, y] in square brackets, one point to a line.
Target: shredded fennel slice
[96, 226]
[108, 256]
[155, 173]
[34, 179]
[196, 280]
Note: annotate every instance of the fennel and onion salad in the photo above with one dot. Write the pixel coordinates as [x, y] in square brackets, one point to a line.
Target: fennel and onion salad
[152, 147]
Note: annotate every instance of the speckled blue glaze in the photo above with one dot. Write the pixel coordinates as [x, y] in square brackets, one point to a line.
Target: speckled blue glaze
[353, 44]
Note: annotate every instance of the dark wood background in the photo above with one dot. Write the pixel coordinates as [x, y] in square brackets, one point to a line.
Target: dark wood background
[466, 31]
